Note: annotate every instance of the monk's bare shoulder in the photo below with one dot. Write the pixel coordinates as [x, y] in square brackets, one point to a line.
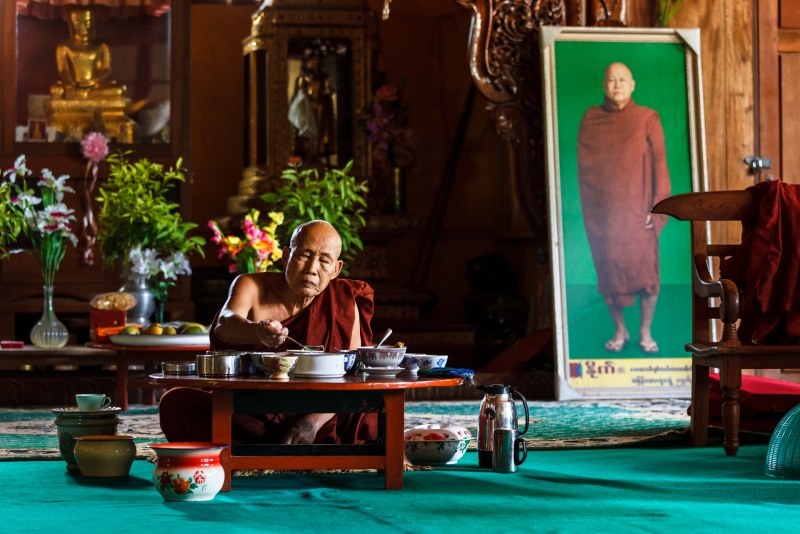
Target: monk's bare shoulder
[259, 285]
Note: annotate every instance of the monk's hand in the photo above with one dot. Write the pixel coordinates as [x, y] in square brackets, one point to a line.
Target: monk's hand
[272, 333]
[648, 222]
[304, 431]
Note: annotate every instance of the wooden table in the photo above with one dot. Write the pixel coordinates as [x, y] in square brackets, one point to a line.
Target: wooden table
[150, 356]
[78, 355]
[349, 394]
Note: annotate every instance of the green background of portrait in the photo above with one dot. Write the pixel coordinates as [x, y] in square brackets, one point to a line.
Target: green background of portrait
[660, 73]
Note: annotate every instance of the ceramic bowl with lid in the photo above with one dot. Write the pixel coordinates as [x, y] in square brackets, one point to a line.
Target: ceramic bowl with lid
[436, 444]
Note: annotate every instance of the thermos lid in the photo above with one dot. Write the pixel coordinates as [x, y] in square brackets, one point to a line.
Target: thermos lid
[495, 389]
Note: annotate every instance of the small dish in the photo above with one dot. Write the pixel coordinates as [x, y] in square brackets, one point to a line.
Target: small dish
[382, 371]
[179, 368]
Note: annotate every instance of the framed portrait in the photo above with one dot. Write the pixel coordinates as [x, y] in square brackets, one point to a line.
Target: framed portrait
[623, 130]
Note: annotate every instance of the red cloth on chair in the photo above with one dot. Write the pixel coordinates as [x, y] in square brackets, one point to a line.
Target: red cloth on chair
[766, 267]
[763, 402]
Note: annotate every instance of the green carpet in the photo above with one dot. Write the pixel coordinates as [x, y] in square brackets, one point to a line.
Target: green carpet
[586, 491]
[31, 433]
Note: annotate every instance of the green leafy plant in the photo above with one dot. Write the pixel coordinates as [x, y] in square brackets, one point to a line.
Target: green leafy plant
[335, 197]
[136, 210]
[667, 10]
[12, 221]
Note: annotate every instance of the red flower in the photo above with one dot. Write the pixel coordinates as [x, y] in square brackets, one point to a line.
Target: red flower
[181, 485]
[387, 93]
[166, 478]
[199, 477]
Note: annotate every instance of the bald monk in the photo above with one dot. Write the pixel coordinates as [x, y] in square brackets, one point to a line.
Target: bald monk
[307, 302]
[622, 174]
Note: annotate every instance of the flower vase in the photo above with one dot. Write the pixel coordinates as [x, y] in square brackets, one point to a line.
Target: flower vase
[158, 316]
[136, 284]
[49, 332]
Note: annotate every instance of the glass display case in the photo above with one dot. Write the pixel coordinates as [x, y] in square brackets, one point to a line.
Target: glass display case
[97, 67]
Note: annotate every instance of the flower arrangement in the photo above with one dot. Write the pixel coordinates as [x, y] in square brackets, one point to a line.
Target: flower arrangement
[135, 210]
[257, 251]
[94, 147]
[386, 123]
[48, 227]
[162, 272]
[335, 197]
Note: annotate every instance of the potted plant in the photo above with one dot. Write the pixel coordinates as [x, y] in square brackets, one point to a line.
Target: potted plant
[335, 196]
[136, 211]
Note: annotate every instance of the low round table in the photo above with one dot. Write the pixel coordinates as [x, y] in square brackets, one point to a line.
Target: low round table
[349, 394]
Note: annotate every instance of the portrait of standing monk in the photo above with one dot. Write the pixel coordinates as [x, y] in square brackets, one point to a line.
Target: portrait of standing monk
[622, 174]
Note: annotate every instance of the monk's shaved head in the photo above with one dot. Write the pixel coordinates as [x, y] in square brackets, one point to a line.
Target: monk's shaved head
[618, 83]
[318, 230]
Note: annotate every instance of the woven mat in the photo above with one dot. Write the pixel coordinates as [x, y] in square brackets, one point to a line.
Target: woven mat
[30, 434]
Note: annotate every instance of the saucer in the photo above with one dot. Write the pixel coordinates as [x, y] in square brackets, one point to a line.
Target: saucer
[74, 411]
[382, 371]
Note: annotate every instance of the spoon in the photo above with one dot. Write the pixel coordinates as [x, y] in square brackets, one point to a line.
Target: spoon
[314, 348]
[385, 337]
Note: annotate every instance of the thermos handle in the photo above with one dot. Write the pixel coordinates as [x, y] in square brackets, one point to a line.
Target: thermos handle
[517, 443]
[524, 405]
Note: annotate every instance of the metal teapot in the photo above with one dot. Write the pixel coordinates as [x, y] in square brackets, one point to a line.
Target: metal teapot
[497, 411]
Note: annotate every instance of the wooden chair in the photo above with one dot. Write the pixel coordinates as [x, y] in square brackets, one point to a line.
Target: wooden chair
[728, 354]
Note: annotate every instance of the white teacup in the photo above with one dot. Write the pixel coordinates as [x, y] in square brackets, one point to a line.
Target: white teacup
[92, 402]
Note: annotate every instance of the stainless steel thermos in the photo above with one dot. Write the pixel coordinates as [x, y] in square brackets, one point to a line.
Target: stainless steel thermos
[505, 450]
[497, 412]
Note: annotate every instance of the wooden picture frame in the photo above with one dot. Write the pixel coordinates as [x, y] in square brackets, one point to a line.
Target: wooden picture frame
[608, 266]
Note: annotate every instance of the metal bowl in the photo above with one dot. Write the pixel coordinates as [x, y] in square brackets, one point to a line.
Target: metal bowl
[246, 366]
[217, 365]
[179, 368]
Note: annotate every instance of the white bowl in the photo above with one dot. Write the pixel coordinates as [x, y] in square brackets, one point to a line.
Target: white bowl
[436, 444]
[320, 365]
[435, 452]
[431, 361]
[381, 356]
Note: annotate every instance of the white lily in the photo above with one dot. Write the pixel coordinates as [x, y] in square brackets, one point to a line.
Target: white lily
[19, 169]
[56, 184]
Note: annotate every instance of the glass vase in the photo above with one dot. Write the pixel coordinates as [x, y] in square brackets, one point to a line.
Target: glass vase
[49, 332]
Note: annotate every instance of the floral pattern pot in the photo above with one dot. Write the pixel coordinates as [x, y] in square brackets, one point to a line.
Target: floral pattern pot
[188, 471]
[278, 366]
[436, 444]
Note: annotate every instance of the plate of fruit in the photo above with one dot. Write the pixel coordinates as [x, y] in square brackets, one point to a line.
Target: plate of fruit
[162, 335]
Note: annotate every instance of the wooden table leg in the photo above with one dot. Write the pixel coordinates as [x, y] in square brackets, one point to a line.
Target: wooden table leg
[221, 412]
[122, 380]
[698, 429]
[731, 383]
[394, 401]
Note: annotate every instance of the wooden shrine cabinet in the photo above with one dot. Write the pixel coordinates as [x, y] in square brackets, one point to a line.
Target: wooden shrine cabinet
[142, 106]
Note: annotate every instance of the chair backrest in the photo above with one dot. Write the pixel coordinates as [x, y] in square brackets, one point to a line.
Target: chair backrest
[699, 209]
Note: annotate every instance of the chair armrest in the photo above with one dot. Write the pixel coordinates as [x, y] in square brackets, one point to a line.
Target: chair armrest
[705, 286]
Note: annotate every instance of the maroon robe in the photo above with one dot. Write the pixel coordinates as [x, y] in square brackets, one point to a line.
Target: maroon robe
[185, 413]
[766, 268]
[622, 174]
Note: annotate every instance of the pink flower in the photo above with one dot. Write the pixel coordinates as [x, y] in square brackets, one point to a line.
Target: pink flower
[95, 147]
[387, 93]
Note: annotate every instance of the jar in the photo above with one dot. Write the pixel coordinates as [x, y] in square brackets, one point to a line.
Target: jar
[188, 471]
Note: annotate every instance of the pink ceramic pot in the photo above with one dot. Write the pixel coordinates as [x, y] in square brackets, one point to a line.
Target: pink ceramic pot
[188, 471]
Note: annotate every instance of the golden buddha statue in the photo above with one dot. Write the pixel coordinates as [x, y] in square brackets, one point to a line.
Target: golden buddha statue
[314, 120]
[86, 93]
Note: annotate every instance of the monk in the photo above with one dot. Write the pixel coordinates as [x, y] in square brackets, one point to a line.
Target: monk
[622, 174]
[307, 302]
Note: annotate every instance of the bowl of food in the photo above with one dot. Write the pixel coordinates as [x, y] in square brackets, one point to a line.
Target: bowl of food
[436, 444]
[381, 356]
[278, 365]
[431, 361]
